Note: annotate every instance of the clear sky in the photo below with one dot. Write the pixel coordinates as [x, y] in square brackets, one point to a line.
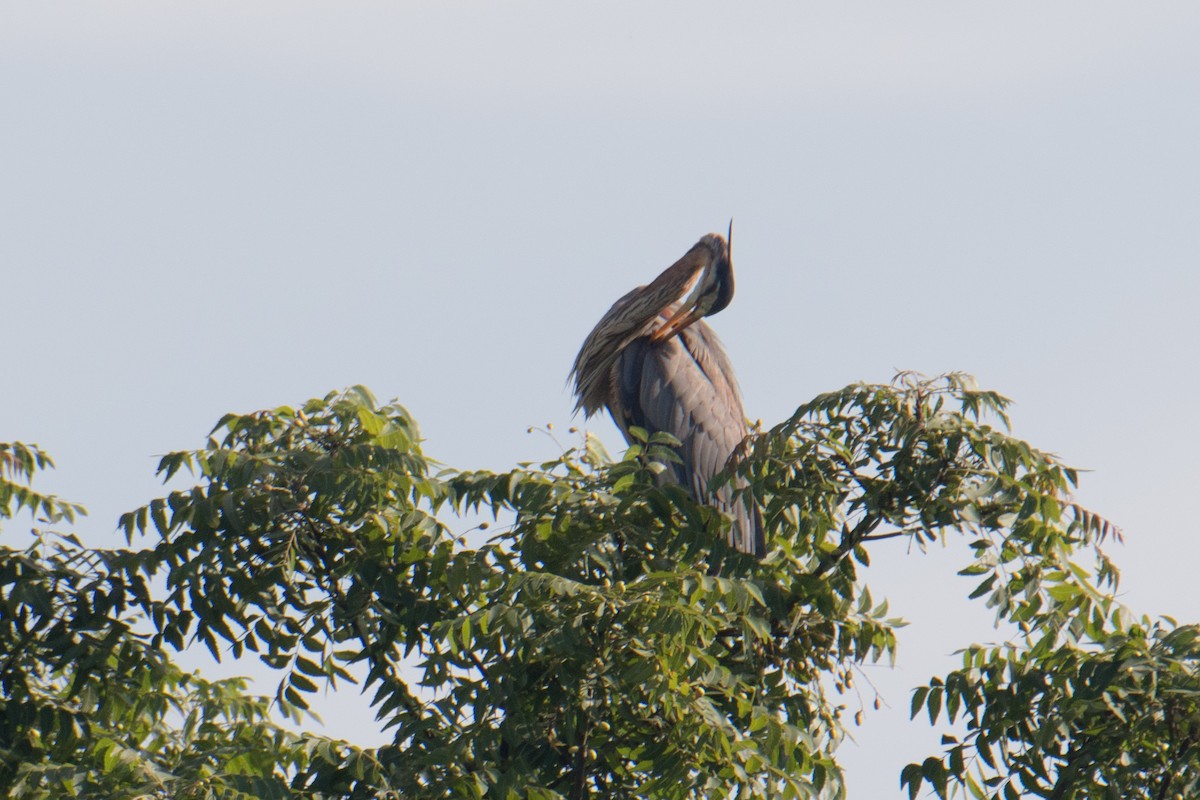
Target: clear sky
[224, 206]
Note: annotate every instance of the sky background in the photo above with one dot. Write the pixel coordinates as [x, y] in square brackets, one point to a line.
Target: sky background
[211, 207]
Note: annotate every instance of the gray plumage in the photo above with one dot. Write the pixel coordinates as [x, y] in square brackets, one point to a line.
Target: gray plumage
[676, 381]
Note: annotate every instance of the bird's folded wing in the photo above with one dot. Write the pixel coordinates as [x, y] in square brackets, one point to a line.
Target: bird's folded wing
[684, 386]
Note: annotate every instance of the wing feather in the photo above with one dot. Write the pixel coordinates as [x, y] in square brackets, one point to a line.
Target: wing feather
[684, 386]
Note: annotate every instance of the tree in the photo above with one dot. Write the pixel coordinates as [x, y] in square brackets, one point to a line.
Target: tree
[89, 707]
[595, 638]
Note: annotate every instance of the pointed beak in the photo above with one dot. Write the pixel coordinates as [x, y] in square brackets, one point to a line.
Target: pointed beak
[686, 315]
[710, 293]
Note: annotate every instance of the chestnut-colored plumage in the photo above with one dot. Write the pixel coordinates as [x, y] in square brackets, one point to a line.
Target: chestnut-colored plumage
[655, 364]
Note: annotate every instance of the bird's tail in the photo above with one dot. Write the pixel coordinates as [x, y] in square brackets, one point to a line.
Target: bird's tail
[746, 535]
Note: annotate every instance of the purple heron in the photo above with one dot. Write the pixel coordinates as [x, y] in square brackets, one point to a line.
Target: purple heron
[655, 364]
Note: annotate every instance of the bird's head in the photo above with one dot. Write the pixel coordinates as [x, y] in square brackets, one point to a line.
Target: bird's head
[697, 285]
[712, 290]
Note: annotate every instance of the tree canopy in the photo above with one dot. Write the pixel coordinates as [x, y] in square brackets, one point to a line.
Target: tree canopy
[594, 637]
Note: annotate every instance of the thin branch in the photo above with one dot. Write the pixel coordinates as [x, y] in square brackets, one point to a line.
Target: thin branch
[1064, 785]
[851, 540]
[479, 665]
[579, 785]
[878, 537]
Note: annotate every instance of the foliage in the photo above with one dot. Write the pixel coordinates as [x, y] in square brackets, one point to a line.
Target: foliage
[18, 464]
[594, 637]
[1121, 720]
[87, 707]
[585, 648]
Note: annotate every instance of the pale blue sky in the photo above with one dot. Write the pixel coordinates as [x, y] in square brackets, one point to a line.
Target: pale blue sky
[224, 206]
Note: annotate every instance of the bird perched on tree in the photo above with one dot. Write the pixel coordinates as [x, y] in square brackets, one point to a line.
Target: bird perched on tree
[655, 364]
